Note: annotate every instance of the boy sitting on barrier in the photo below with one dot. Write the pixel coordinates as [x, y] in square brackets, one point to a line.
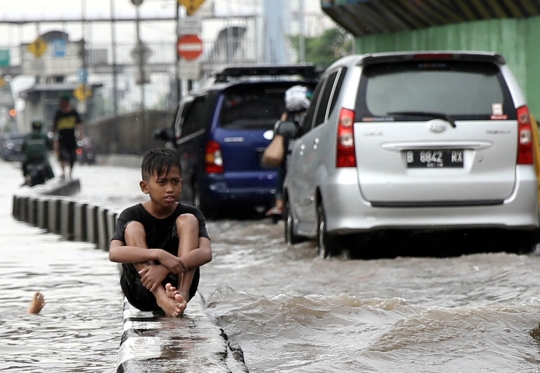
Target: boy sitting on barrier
[161, 243]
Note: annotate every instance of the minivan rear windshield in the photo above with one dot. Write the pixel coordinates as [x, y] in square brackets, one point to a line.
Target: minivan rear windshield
[254, 107]
[458, 89]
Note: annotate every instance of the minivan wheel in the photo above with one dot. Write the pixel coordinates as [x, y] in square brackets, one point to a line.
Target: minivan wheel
[290, 237]
[526, 247]
[327, 244]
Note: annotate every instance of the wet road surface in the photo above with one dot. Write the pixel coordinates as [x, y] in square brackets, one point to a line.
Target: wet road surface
[289, 310]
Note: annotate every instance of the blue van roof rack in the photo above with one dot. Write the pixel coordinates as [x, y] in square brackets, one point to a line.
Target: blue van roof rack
[307, 71]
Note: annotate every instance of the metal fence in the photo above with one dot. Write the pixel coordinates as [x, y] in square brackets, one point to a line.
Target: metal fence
[130, 133]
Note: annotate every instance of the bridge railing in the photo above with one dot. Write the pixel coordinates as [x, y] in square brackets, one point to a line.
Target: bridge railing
[130, 133]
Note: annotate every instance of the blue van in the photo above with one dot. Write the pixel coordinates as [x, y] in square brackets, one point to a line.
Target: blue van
[220, 133]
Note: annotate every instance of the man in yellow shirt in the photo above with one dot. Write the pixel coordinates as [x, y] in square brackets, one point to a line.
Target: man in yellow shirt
[66, 122]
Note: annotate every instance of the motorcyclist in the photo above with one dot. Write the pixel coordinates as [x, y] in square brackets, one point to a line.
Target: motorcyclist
[36, 147]
[297, 100]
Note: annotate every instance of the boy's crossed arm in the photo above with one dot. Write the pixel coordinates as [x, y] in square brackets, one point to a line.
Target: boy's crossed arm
[152, 274]
[120, 253]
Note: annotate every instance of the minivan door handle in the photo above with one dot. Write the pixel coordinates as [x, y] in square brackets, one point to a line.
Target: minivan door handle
[316, 143]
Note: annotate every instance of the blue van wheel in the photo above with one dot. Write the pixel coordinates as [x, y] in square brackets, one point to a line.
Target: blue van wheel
[200, 203]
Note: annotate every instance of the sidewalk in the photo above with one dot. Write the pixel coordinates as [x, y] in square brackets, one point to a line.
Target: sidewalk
[192, 343]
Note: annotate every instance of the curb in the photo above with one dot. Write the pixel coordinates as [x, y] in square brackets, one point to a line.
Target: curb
[142, 348]
[149, 342]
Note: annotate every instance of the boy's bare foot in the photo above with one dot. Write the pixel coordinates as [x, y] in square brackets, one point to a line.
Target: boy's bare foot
[173, 307]
[172, 291]
[37, 303]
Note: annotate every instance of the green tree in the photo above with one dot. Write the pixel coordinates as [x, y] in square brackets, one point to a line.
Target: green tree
[324, 49]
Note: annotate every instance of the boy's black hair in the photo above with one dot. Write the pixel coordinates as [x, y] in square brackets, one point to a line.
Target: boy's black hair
[159, 161]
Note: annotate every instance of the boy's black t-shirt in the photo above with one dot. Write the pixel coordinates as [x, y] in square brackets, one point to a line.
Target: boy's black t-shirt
[160, 233]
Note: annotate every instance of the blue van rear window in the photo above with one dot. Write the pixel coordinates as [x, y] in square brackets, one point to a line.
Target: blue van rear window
[252, 108]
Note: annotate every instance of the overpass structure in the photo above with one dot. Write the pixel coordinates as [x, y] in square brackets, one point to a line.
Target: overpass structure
[510, 27]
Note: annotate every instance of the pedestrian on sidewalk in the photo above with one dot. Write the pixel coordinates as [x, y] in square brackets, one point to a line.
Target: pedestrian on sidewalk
[67, 128]
[161, 243]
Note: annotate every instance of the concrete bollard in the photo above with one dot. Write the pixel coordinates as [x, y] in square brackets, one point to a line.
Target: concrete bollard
[111, 226]
[66, 219]
[15, 207]
[91, 224]
[23, 209]
[42, 213]
[102, 242]
[53, 221]
[79, 221]
[32, 211]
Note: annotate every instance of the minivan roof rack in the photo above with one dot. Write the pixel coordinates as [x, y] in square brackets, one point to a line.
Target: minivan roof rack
[308, 71]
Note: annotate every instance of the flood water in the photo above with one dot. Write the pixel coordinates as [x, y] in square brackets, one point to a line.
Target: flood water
[288, 309]
[292, 311]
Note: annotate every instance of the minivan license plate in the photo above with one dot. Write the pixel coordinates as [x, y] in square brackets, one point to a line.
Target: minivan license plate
[441, 158]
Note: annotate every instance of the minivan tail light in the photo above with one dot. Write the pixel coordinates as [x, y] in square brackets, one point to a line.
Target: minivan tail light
[213, 158]
[525, 140]
[345, 156]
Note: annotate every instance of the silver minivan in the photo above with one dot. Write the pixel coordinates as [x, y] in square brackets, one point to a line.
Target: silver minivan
[413, 141]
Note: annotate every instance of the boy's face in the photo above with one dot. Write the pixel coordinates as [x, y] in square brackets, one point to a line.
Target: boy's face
[163, 189]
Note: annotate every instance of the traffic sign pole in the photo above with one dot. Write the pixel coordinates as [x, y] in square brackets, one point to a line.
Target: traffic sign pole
[193, 28]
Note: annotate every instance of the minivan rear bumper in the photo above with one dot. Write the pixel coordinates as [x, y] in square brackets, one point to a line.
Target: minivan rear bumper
[252, 191]
[347, 211]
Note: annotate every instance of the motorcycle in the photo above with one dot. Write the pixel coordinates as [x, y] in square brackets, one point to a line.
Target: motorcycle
[37, 173]
[85, 151]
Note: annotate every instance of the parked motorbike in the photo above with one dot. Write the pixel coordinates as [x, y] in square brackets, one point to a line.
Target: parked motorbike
[85, 151]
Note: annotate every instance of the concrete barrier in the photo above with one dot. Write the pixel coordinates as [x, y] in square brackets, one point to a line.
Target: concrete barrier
[42, 213]
[150, 342]
[23, 207]
[111, 224]
[53, 220]
[79, 222]
[102, 229]
[142, 348]
[91, 223]
[67, 213]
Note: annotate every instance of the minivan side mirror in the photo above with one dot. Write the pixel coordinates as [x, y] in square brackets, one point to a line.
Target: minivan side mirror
[164, 134]
[287, 129]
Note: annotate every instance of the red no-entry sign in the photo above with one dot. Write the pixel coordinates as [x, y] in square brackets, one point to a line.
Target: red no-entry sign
[190, 47]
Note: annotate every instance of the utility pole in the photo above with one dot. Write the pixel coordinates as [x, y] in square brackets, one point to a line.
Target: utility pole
[83, 104]
[177, 67]
[114, 72]
[140, 59]
[301, 40]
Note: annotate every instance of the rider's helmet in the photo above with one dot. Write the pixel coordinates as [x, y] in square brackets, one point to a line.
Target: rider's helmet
[297, 98]
[37, 124]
